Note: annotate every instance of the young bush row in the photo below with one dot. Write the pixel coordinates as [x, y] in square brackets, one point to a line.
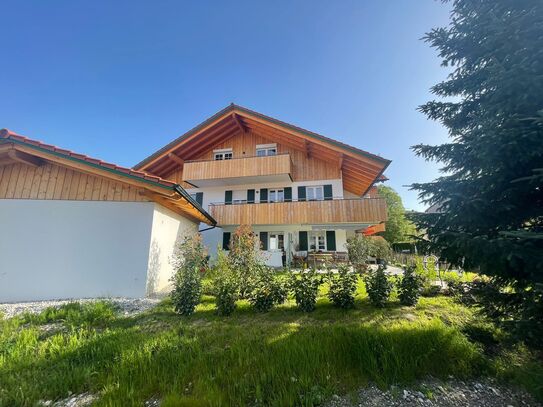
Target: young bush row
[242, 275]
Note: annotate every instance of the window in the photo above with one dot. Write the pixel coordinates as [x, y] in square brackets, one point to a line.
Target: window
[276, 195]
[225, 154]
[315, 193]
[239, 196]
[263, 150]
[317, 241]
[277, 242]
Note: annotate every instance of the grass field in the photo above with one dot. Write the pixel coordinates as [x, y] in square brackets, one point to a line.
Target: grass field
[284, 357]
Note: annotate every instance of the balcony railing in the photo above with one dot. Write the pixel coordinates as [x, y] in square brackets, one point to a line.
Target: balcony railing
[358, 211]
[274, 167]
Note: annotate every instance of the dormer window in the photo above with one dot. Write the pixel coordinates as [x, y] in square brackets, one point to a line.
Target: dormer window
[224, 154]
[263, 150]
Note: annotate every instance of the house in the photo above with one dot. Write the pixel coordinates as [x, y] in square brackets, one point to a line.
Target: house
[301, 192]
[72, 226]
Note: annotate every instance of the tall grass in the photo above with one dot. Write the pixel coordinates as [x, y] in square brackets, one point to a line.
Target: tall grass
[281, 358]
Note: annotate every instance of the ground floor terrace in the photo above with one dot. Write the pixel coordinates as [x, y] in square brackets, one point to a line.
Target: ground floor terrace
[292, 245]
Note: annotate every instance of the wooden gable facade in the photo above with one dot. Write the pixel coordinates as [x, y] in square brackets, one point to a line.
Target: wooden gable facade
[314, 157]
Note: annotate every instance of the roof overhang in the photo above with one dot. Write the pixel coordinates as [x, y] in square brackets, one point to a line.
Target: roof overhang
[360, 169]
[18, 149]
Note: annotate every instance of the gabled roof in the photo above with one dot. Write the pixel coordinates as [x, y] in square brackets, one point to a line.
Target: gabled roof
[360, 168]
[12, 145]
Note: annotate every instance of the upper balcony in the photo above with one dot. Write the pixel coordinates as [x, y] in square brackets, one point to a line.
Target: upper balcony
[360, 211]
[245, 170]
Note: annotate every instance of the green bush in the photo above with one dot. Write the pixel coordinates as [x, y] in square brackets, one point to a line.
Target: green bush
[225, 285]
[267, 291]
[378, 286]
[409, 286]
[305, 286]
[244, 258]
[190, 262]
[359, 248]
[343, 287]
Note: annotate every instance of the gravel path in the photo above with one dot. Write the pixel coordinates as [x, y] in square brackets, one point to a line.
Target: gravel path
[452, 393]
[128, 306]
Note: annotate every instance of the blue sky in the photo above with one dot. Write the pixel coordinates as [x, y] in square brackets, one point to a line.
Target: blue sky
[119, 79]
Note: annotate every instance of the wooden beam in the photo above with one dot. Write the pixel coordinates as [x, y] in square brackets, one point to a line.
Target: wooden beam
[176, 159]
[25, 158]
[341, 162]
[237, 120]
[308, 149]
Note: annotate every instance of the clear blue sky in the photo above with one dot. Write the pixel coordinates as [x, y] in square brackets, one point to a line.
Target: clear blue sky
[119, 79]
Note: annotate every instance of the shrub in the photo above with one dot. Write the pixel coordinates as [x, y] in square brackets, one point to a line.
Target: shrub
[409, 287]
[379, 248]
[306, 287]
[378, 287]
[244, 258]
[224, 284]
[267, 291]
[189, 261]
[359, 248]
[343, 287]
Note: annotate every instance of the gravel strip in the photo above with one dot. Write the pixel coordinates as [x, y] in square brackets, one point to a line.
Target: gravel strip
[128, 306]
[452, 393]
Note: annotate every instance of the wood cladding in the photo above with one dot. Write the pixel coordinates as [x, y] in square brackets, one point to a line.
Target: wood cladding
[237, 167]
[366, 210]
[303, 166]
[54, 182]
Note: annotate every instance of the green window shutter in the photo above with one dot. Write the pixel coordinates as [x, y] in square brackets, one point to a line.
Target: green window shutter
[226, 240]
[250, 196]
[264, 240]
[302, 240]
[263, 195]
[331, 240]
[288, 194]
[301, 194]
[228, 197]
[328, 196]
[200, 198]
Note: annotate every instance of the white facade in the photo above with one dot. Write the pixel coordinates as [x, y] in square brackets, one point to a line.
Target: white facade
[52, 249]
[274, 258]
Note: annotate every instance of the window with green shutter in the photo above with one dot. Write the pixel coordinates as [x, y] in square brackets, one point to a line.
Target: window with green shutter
[301, 193]
[328, 195]
[264, 240]
[226, 240]
[302, 240]
[251, 196]
[331, 240]
[288, 194]
[200, 198]
[263, 195]
[228, 197]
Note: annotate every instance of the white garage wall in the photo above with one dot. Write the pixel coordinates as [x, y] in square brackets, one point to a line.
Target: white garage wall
[169, 229]
[73, 249]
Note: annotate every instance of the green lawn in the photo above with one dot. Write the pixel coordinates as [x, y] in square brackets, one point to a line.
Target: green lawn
[284, 357]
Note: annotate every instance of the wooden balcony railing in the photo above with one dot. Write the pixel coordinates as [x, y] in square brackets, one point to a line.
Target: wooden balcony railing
[364, 210]
[274, 165]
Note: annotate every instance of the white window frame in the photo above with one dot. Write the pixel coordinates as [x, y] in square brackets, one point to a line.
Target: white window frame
[314, 189]
[274, 237]
[276, 195]
[223, 154]
[315, 244]
[265, 150]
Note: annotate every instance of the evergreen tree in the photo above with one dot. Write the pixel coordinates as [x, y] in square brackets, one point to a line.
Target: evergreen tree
[491, 193]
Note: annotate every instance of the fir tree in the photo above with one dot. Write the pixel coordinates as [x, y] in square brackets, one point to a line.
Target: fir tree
[491, 193]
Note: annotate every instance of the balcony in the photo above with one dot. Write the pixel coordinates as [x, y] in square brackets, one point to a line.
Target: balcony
[362, 211]
[246, 170]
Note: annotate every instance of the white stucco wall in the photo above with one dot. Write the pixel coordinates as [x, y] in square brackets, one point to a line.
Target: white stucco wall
[169, 229]
[73, 249]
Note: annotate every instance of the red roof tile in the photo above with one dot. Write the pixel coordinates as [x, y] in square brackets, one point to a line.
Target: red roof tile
[9, 135]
